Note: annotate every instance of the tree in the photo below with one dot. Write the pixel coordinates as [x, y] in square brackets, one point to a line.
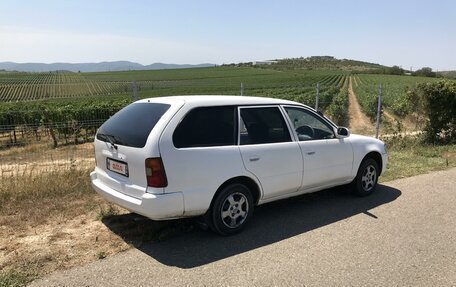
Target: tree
[395, 70]
[425, 72]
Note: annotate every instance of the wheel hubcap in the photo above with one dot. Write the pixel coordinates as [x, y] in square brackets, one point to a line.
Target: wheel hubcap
[234, 210]
[369, 178]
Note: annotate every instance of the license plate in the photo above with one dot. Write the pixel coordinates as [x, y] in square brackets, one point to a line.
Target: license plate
[117, 166]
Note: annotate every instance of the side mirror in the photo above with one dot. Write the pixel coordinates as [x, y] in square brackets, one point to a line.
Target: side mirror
[343, 132]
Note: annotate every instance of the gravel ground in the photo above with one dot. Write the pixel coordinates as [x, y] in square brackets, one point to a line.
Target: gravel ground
[404, 234]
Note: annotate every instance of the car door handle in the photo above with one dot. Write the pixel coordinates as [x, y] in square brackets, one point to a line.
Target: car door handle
[254, 158]
[310, 152]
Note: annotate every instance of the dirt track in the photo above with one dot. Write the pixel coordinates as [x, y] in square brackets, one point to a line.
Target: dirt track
[358, 121]
[402, 235]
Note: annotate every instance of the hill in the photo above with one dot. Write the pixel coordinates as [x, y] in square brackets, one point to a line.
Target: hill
[91, 67]
[320, 63]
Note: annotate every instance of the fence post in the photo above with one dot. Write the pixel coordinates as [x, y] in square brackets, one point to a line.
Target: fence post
[317, 96]
[134, 89]
[379, 110]
[242, 89]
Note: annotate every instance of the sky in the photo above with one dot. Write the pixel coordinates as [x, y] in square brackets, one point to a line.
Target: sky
[410, 34]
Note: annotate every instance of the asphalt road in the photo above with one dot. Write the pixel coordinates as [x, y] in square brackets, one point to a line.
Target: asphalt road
[404, 234]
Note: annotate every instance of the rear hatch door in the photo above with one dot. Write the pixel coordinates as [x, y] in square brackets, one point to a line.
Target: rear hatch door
[124, 142]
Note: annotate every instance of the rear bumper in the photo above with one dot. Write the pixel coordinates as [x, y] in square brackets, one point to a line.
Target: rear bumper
[154, 206]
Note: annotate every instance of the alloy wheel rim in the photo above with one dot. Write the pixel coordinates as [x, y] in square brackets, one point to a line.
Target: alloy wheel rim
[369, 177]
[234, 210]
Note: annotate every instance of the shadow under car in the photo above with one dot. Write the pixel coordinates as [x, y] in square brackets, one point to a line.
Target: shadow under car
[178, 243]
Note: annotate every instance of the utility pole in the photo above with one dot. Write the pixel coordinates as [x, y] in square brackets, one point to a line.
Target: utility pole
[242, 89]
[317, 97]
[379, 110]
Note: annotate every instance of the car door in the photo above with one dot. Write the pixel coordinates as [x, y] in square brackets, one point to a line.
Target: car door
[328, 160]
[268, 150]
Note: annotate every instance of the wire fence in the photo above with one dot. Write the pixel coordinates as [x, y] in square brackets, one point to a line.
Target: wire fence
[47, 143]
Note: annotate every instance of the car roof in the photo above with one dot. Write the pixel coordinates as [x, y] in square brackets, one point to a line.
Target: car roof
[218, 100]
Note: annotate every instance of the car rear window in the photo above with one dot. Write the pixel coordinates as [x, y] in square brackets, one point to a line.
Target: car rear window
[132, 125]
[206, 126]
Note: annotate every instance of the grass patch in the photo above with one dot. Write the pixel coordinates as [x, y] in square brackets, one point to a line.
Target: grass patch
[32, 200]
[106, 212]
[409, 157]
[15, 279]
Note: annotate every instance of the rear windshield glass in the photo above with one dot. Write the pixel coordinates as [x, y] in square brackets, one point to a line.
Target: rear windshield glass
[132, 125]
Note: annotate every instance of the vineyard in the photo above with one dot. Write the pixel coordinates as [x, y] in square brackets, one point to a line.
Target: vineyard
[55, 110]
[21, 87]
[394, 93]
[16, 87]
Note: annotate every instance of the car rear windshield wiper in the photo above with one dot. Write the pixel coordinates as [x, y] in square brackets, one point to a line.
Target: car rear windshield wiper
[112, 139]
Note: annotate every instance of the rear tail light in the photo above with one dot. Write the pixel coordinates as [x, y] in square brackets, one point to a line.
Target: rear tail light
[155, 173]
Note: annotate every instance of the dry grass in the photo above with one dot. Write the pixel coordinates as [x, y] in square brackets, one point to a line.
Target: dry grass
[51, 222]
[43, 151]
[37, 158]
[43, 196]
[15, 279]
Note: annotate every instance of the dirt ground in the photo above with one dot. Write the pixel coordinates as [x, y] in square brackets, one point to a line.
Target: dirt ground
[58, 244]
[358, 121]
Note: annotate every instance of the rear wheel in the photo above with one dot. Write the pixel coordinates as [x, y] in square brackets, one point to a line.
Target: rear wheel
[366, 178]
[232, 209]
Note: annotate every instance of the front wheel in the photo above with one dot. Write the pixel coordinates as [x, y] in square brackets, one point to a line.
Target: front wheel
[232, 209]
[366, 178]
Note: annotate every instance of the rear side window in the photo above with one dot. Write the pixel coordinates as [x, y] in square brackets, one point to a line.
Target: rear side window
[206, 126]
[263, 125]
[132, 125]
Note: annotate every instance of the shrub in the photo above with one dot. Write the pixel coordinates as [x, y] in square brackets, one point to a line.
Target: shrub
[339, 107]
[438, 101]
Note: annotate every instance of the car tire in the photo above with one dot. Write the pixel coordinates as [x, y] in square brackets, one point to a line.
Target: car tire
[231, 210]
[366, 178]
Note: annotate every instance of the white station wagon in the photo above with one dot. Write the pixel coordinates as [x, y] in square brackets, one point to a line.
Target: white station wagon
[219, 156]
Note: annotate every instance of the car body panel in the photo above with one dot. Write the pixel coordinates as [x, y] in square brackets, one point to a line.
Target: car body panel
[278, 166]
[327, 161]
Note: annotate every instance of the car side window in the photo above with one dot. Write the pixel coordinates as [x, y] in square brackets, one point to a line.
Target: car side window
[308, 126]
[206, 126]
[263, 125]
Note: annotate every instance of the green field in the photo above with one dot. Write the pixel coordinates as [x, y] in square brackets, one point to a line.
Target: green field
[216, 80]
[80, 97]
